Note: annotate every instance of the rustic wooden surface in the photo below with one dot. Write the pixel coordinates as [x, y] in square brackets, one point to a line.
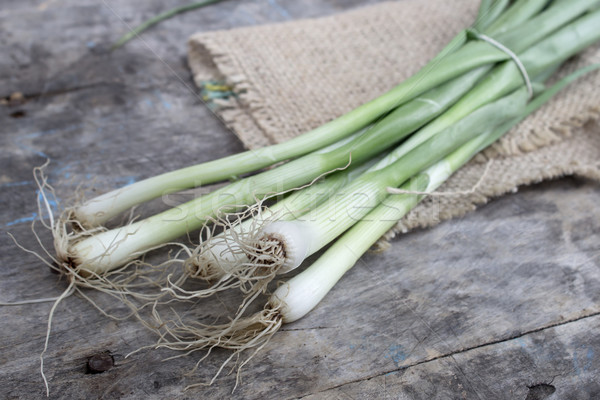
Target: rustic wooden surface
[503, 303]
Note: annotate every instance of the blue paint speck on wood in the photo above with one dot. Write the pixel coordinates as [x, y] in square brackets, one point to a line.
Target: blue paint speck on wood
[282, 11]
[165, 103]
[32, 217]
[125, 180]
[21, 183]
[396, 354]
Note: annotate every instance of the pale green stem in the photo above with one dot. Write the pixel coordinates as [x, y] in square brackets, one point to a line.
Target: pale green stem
[452, 63]
[303, 292]
[113, 248]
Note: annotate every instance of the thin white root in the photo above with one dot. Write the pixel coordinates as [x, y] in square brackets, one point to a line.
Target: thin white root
[68, 291]
[32, 301]
[134, 279]
[239, 257]
[245, 259]
[240, 334]
[130, 284]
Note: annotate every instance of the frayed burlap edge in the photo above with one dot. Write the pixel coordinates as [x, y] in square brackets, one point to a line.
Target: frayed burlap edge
[208, 60]
[579, 155]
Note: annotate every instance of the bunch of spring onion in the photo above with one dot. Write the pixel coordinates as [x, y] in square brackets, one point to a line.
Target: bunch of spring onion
[295, 298]
[281, 246]
[467, 74]
[412, 137]
[240, 256]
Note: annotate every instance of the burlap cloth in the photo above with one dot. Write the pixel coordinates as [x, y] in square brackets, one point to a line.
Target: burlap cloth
[291, 77]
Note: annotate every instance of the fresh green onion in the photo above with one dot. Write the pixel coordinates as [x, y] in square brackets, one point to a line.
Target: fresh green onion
[223, 261]
[459, 103]
[110, 249]
[295, 298]
[495, 85]
[303, 292]
[452, 62]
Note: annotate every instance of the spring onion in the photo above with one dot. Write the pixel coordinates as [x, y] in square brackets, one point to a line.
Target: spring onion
[296, 297]
[225, 262]
[460, 102]
[110, 249]
[299, 239]
[457, 59]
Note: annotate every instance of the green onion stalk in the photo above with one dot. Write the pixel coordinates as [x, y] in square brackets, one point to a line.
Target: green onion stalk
[257, 253]
[303, 292]
[554, 35]
[109, 249]
[295, 298]
[281, 246]
[458, 58]
[227, 261]
[135, 32]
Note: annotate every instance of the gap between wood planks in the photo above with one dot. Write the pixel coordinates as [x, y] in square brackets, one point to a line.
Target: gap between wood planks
[52, 93]
[443, 356]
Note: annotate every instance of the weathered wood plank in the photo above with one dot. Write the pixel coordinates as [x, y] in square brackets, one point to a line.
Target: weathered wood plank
[556, 363]
[521, 264]
[61, 53]
[439, 304]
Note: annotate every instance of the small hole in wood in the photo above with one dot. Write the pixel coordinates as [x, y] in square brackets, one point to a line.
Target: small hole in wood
[18, 114]
[540, 391]
[99, 363]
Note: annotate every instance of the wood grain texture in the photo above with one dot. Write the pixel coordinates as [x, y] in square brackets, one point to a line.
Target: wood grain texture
[503, 303]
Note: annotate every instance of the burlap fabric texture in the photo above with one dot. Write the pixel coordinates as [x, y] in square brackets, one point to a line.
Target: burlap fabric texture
[291, 77]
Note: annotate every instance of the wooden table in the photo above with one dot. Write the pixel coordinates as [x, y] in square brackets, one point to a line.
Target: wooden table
[501, 304]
